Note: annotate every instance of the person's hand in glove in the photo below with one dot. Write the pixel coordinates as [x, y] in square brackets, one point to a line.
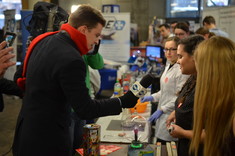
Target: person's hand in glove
[155, 115]
[136, 91]
[147, 98]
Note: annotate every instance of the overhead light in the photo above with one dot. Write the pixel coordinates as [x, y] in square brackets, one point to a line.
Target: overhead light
[74, 7]
[174, 4]
[12, 1]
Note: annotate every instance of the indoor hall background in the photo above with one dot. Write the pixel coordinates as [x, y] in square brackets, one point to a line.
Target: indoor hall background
[142, 11]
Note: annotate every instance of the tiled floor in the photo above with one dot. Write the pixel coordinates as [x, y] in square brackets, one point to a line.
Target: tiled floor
[8, 122]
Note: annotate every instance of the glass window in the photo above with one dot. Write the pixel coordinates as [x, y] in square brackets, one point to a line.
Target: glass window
[211, 3]
[8, 5]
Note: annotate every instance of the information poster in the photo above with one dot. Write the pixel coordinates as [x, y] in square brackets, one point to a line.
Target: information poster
[225, 19]
[115, 44]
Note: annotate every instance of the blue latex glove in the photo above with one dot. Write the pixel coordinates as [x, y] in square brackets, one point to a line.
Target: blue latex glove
[155, 115]
[146, 98]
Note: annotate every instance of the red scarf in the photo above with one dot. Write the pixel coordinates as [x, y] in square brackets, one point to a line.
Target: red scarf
[77, 37]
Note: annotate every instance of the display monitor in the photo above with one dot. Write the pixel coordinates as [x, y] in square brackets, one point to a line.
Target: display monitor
[214, 3]
[153, 51]
[179, 9]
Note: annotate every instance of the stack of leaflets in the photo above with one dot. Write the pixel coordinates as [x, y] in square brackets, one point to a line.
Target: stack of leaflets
[171, 149]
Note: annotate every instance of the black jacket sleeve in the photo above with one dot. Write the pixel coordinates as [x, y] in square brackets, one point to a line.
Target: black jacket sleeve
[8, 87]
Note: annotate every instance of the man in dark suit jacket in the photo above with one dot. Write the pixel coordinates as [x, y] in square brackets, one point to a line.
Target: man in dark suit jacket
[56, 82]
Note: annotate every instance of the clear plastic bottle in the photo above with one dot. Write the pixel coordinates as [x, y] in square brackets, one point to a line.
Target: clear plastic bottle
[132, 80]
[117, 89]
[115, 94]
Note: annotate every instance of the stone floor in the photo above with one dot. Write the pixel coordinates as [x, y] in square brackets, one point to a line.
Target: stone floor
[8, 122]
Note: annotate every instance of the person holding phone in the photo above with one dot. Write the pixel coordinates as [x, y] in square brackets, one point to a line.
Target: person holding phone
[6, 86]
[5, 57]
[9, 38]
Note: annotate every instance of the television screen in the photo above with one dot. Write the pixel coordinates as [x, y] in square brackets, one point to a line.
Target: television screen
[214, 3]
[153, 51]
[182, 8]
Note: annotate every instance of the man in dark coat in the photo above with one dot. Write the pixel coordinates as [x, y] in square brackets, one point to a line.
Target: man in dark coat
[56, 82]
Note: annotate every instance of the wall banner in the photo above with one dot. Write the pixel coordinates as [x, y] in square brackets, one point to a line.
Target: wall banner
[115, 44]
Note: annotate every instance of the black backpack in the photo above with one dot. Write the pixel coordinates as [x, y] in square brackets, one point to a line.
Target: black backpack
[46, 17]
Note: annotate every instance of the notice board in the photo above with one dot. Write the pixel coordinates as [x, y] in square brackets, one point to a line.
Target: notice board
[115, 43]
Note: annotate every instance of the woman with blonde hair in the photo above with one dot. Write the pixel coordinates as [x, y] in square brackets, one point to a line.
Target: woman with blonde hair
[214, 108]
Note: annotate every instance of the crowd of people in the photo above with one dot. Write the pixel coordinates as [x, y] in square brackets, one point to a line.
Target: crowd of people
[181, 29]
[196, 97]
[203, 117]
